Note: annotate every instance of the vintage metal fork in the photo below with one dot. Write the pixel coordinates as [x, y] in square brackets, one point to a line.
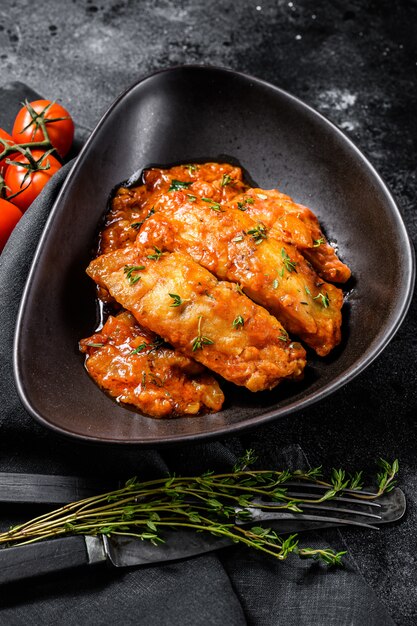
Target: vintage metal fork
[347, 509]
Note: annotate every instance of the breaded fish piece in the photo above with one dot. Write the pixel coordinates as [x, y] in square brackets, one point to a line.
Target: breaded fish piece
[295, 224]
[132, 205]
[221, 180]
[206, 319]
[136, 367]
[232, 246]
[287, 220]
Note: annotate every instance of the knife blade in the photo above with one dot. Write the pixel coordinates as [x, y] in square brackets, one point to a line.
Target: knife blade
[55, 555]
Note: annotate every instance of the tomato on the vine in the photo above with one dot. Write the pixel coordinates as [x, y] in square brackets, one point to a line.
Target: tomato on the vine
[9, 139]
[44, 113]
[28, 175]
[9, 216]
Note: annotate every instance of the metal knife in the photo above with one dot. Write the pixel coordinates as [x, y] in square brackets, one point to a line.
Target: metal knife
[64, 553]
[67, 552]
[47, 557]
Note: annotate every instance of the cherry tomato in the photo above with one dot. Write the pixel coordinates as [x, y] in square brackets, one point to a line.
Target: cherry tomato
[9, 216]
[9, 139]
[59, 125]
[28, 184]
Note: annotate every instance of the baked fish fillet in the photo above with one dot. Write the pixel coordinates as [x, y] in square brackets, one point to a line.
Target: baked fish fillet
[232, 246]
[295, 224]
[136, 367]
[206, 319]
[222, 182]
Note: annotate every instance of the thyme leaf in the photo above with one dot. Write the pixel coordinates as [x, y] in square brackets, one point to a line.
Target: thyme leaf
[323, 299]
[243, 204]
[157, 255]
[201, 340]
[211, 503]
[177, 185]
[258, 233]
[215, 206]
[177, 300]
[238, 321]
[132, 277]
[226, 180]
[289, 265]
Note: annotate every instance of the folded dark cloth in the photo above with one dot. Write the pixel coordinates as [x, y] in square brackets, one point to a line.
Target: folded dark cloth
[233, 586]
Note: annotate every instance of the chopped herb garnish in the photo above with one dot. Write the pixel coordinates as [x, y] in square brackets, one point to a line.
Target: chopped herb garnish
[275, 284]
[238, 321]
[139, 348]
[157, 255]
[191, 168]
[226, 180]
[318, 242]
[258, 233]
[201, 340]
[289, 265]
[243, 204]
[215, 206]
[177, 300]
[157, 343]
[308, 292]
[137, 225]
[239, 289]
[191, 197]
[94, 345]
[129, 269]
[177, 185]
[284, 335]
[155, 380]
[238, 238]
[324, 299]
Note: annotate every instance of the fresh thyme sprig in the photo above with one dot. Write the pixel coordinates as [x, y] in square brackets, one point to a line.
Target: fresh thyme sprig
[201, 340]
[226, 180]
[258, 233]
[238, 321]
[177, 185]
[151, 347]
[323, 298]
[211, 503]
[157, 255]
[290, 265]
[243, 205]
[132, 277]
[214, 206]
[177, 300]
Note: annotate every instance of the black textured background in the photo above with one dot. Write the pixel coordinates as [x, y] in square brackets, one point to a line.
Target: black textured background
[355, 62]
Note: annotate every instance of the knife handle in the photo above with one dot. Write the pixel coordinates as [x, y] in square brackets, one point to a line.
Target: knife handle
[47, 557]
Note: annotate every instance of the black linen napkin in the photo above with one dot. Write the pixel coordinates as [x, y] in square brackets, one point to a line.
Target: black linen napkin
[232, 587]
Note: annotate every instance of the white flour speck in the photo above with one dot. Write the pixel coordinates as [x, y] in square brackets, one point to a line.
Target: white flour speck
[339, 99]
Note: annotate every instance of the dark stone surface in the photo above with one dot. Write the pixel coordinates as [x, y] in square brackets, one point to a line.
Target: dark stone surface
[355, 62]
